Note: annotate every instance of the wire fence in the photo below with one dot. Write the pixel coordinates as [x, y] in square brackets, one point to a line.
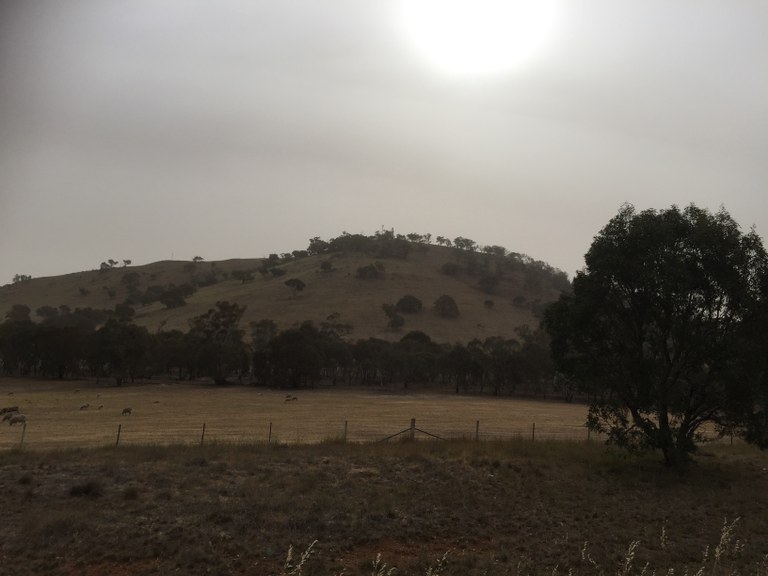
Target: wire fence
[300, 431]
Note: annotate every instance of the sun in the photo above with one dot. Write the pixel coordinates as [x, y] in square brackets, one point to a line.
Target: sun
[479, 37]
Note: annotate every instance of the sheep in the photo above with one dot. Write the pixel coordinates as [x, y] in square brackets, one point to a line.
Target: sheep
[8, 415]
[290, 398]
[85, 407]
[127, 411]
[17, 419]
[9, 409]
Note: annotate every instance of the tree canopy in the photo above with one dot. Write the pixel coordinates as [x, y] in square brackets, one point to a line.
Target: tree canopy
[662, 330]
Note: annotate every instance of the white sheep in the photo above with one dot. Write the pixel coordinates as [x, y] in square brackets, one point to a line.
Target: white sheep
[127, 411]
[17, 419]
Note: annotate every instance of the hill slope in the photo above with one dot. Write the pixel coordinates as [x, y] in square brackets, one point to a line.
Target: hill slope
[515, 290]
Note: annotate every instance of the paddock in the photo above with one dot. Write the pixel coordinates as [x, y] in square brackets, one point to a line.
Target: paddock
[188, 413]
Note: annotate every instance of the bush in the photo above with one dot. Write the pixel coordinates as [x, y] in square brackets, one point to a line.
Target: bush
[408, 305]
[370, 272]
[446, 307]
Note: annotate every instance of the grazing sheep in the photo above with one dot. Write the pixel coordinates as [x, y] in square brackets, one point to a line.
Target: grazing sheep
[101, 406]
[8, 415]
[290, 398]
[127, 411]
[17, 419]
[85, 407]
[9, 409]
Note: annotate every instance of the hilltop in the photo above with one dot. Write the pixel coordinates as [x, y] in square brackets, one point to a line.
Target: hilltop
[344, 281]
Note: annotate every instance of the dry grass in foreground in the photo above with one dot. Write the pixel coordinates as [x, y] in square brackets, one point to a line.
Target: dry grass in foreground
[512, 507]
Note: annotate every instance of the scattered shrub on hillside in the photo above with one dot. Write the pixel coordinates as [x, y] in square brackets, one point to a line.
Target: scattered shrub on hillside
[395, 320]
[277, 272]
[446, 306]
[371, 271]
[173, 298]
[244, 276]
[326, 266]
[408, 304]
[488, 304]
[295, 284]
[83, 291]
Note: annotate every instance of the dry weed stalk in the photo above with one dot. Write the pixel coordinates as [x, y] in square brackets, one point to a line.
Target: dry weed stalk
[436, 570]
[379, 568]
[290, 569]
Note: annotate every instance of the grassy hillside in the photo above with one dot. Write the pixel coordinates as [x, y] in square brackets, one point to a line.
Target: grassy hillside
[338, 294]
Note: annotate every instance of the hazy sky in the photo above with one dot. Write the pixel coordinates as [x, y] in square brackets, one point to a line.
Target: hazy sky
[151, 129]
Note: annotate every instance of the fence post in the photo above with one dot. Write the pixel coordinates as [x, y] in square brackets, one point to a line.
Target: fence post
[533, 432]
[413, 429]
[346, 423]
[23, 433]
[477, 430]
[269, 438]
[202, 436]
[119, 427]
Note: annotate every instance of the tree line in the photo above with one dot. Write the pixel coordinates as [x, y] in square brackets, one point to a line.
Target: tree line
[107, 344]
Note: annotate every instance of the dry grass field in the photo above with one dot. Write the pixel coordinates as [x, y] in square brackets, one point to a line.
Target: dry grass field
[160, 503]
[175, 414]
[514, 507]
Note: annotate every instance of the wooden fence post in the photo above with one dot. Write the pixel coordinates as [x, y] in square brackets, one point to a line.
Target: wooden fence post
[533, 432]
[119, 427]
[269, 438]
[413, 429]
[23, 433]
[477, 430]
[346, 424]
[202, 436]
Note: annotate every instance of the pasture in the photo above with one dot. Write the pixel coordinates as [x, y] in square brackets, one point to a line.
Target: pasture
[161, 503]
[86, 414]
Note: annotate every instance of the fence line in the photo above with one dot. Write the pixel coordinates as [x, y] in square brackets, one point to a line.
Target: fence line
[344, 432]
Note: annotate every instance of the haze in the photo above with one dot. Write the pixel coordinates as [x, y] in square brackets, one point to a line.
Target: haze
[150, 130]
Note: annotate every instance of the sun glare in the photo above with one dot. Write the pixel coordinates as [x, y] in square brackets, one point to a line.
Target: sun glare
[478, 37]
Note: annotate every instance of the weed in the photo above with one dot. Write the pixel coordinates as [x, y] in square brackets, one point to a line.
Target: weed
[291, 569]
[380, 568]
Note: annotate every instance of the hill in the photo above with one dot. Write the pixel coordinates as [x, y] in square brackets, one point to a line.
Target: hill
[345, 281]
